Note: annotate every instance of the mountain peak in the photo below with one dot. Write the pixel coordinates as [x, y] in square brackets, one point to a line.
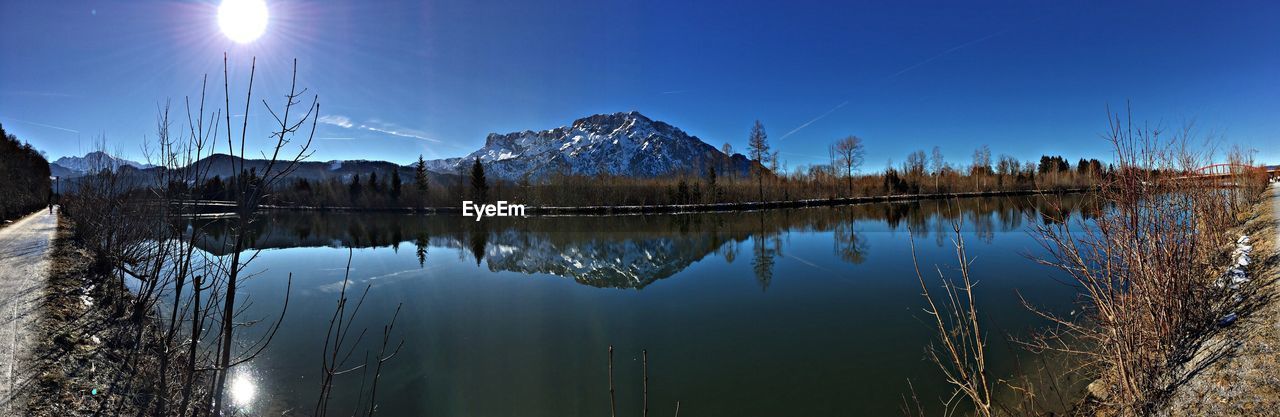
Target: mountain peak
[613, 119]
[71, 166]
[614, 144]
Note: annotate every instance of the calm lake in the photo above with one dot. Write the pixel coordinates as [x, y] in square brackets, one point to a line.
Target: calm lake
[811, 312]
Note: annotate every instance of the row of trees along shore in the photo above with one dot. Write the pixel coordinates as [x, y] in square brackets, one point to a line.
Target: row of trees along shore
[390, 189]
[26, 186]
[920, 173]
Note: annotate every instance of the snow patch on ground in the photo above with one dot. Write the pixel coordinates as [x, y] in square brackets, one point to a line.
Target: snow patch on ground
[1236, 275]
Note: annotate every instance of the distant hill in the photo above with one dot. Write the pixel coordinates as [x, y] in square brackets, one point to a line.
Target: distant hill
[618, 144]
[226, 166]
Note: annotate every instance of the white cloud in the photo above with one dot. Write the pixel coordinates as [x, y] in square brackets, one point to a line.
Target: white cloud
[336, 120]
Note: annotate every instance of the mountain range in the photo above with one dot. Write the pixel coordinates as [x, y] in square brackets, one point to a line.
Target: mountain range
[71, 166]
[619, 144]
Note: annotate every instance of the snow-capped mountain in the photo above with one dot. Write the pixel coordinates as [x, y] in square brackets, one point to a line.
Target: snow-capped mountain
[619, 144]
[71, 166]
[632, 262]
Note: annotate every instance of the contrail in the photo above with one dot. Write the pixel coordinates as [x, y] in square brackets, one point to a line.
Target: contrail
[806, 124]
[903, 71]
[46, 126]
[945, 53]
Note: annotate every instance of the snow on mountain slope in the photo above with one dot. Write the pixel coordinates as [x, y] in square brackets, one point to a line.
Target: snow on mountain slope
[619, 144]
[93, 162]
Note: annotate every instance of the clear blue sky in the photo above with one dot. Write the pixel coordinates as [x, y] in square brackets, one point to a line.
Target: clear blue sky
[1023, 77]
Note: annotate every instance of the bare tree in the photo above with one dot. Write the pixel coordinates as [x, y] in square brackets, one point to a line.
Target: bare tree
[848, 153]
[915, 163]
[253, 188]
[758, 151]
[981, 163]
[1008, 165]
[936, 165]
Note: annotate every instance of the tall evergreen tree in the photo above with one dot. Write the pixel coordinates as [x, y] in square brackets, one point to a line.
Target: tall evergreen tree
[355, 188]
[420, 179]
[395, 185]
[711, 184]
[26, 186]
[479, 186]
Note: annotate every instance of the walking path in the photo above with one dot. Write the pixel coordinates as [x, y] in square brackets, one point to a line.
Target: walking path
[24, 268]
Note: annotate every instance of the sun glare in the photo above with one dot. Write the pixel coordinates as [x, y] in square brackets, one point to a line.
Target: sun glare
[242, 20]
[242, 391]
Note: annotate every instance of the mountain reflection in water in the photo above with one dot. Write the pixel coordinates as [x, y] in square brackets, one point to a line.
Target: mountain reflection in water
[633, 251]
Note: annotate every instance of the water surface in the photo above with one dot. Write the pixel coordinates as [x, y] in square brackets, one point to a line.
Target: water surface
[812, 311]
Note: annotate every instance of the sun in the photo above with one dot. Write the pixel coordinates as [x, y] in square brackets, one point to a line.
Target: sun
[242, 20]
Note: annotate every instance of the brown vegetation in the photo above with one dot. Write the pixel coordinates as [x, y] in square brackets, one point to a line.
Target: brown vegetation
[1146, 269]
[816, 183]
[1149, 270]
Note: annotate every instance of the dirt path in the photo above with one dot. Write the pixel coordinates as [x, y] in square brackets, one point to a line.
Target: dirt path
[24, 266]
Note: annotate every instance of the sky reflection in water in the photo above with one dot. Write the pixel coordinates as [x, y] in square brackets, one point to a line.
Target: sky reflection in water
[812, 311]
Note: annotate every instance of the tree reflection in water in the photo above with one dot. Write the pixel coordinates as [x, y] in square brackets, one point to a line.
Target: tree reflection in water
[633, 251]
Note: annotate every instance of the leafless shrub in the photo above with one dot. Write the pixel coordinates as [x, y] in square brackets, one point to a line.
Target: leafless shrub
[1145, 268]
[339, 345]
[960, 351]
